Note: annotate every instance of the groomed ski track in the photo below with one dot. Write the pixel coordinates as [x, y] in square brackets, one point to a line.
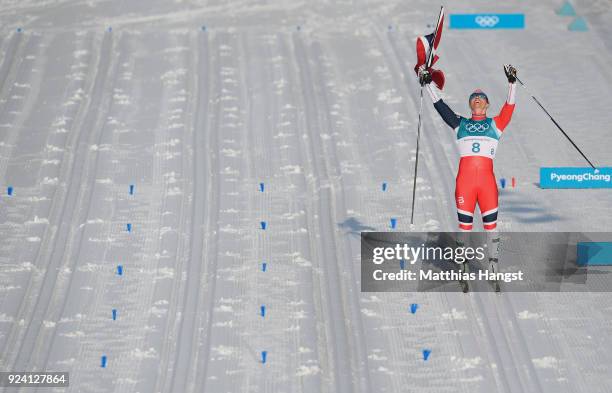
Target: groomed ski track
[319, 102]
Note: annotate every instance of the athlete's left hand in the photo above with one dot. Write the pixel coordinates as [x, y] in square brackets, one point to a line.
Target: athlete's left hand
[510, 72]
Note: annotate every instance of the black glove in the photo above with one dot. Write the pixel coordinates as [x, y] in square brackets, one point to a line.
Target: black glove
[424, 77]
[510, 73]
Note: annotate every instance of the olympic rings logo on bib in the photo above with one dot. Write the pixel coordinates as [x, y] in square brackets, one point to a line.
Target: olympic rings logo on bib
[487, 20]
[477, 127]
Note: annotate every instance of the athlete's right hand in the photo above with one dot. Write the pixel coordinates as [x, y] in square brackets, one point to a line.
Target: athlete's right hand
[424, 77]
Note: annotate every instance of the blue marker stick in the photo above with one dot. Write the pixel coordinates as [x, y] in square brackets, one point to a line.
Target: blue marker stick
[264, 356]
[9, 190]
[114, 314]
[264, 266]
[263, 225]
[413, 308]
[120, 270]
[103, 361]
[263, 311]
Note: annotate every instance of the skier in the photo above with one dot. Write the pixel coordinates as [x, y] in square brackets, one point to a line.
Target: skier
[477, 137]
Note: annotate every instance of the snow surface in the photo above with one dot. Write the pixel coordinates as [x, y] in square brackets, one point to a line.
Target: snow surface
[318, 100]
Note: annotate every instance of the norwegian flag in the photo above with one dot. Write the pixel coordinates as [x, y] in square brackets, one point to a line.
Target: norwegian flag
[426, 48]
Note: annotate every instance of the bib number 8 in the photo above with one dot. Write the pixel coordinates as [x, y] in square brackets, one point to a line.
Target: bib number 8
[475, 147]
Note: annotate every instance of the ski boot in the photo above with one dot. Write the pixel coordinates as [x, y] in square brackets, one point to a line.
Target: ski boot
[494, 241]
[464, 268]
[493, 268]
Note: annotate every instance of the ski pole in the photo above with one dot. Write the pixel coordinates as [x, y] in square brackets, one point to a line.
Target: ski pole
[555, 122]
[416, 163]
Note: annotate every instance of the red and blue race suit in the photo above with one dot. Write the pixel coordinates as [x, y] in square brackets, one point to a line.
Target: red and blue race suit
[477, 138]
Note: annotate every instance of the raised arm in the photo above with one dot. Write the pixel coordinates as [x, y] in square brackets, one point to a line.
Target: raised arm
[505, 114]
[447, 114]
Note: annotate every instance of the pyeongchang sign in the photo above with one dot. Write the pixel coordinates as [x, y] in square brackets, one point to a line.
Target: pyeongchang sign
[575, 178]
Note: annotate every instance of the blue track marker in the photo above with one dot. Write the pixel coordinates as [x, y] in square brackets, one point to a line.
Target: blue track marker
[579, 24]
[413, 308]
[263, 311]
[131, 189]
[566, 10]
[264, 266]
[114, 314]
[594, 253]
[129, 227]
[19, 30]
[402, 264]
[393, 223]
[264, 356]
[103, 361]
[120, 270]
[263, 225]
[203, 28]
[261, 187]
[502, 181]
[384, 187]
[9, 190]
[426, 353]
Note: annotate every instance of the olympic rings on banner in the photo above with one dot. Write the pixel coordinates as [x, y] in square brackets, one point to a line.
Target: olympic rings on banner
[487, 20]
